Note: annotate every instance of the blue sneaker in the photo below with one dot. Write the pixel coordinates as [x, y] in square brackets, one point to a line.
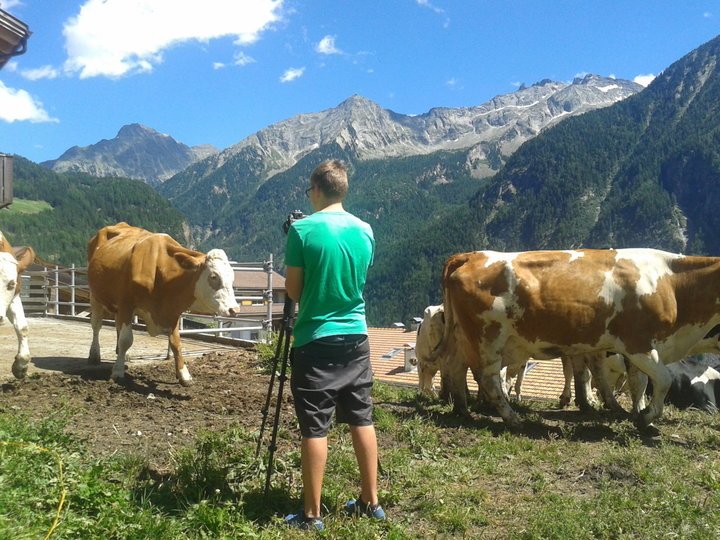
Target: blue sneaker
[357, 507]
[299, 521]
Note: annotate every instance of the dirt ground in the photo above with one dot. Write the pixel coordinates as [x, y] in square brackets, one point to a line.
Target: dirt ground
[149, 414]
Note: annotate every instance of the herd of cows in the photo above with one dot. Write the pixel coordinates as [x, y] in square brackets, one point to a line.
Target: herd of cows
[639, 313]
[601, 311]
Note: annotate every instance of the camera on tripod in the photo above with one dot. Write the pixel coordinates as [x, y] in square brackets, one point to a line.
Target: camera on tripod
[293, 217]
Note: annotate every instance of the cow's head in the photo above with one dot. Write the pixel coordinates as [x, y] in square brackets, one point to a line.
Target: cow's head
[430, 334]
[8, 281]
[214, 287]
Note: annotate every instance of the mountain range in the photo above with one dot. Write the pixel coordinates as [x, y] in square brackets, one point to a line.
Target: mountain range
[137, 152]
[495, 129]
[596, 163]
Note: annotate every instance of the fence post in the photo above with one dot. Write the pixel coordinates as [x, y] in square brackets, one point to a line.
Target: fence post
[56, 290]
[72, 289]
[267, 323]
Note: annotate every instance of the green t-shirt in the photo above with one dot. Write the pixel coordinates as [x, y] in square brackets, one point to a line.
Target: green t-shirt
[334, 249]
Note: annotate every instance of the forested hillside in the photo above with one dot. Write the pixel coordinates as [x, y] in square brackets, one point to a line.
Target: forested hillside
[396, 196]
[78, 206]
[642, 173]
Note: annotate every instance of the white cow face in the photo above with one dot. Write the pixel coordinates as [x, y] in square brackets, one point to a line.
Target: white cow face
[214, 288]
[8, 281]
[429, 337]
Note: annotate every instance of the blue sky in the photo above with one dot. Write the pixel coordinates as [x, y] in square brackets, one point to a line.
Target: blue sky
[216, 71]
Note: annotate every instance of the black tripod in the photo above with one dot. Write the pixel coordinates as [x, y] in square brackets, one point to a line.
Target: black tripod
[283, 347]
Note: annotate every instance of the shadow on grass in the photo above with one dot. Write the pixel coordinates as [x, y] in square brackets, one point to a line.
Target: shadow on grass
[165, 492]
[538, 423]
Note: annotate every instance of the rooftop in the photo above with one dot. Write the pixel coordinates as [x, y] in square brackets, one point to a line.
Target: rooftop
[543, 380]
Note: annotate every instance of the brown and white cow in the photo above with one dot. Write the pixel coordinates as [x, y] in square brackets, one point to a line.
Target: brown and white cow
[429, 336]
[135, 272]
[650, 306]
[13, 261]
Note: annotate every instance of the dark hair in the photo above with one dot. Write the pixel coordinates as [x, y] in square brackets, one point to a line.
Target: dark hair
[331, 177]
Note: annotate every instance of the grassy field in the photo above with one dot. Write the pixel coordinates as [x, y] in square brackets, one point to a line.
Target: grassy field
[22, 206]
[565, 475]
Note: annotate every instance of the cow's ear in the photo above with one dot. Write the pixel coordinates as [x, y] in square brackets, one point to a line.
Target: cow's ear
[25, 256]
[187, 261]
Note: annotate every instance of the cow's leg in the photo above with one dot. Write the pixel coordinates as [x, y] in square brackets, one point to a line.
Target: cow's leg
[181, 370]
[505, 381]
[426, 373]
[519, 381]
[656, 371]
[567, 365]
[16, 315]
[637, 383]
[124, 342]
[600, 369]
[492, 385]
[583, 391]
[454, 384]
[96, 318]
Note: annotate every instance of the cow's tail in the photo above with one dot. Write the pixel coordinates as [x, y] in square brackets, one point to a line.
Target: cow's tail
[443, 349]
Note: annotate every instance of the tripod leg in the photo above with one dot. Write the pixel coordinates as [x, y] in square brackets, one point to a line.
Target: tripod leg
[290, 316]
[266, 408]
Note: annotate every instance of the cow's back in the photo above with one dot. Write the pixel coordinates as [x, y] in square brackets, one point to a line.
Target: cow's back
[110, 254]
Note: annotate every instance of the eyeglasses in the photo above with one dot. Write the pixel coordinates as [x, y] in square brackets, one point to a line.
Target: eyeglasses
[307, 191]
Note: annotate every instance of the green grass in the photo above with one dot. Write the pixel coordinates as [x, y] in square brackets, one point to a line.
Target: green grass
[443, 476]
[23, 206]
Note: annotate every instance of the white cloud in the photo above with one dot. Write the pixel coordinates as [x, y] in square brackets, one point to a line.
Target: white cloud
[242, 59]
[18, 105]
[44, 72]
[707, 15]
[7, 5]
[292, 74]
[113, 38]
[454, 83]
[644, 80]
[439, 11]
[218, 65]
[327, 46]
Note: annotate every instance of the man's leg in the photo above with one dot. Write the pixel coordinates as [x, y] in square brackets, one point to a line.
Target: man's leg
[365, 445]
[312, 460]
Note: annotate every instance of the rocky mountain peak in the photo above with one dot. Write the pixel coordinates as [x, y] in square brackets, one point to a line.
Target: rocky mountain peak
[132, 131]
[500, 125]
[136, 152]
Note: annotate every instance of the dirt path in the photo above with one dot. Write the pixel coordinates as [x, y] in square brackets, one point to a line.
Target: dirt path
[62, 346]
[150, 413]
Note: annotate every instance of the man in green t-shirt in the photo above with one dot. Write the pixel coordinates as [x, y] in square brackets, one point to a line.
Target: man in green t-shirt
[327, 257]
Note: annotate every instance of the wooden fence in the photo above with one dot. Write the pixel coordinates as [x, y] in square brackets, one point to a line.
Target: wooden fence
[63, 292]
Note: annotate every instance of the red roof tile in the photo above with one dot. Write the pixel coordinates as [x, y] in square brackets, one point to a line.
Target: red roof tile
[543, 380]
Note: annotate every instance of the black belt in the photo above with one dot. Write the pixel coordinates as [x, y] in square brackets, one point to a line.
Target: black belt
[344, 339]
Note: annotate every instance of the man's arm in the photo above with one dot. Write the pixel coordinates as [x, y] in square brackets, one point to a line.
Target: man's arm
[294, 276]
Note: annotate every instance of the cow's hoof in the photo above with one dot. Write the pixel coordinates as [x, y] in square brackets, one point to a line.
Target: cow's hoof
[514, 424]
[644, 424]
[186, 382]
[19, 370]
[586, 408]
[649, 431]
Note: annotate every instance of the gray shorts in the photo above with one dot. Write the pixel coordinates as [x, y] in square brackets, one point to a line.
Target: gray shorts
[328, 375]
